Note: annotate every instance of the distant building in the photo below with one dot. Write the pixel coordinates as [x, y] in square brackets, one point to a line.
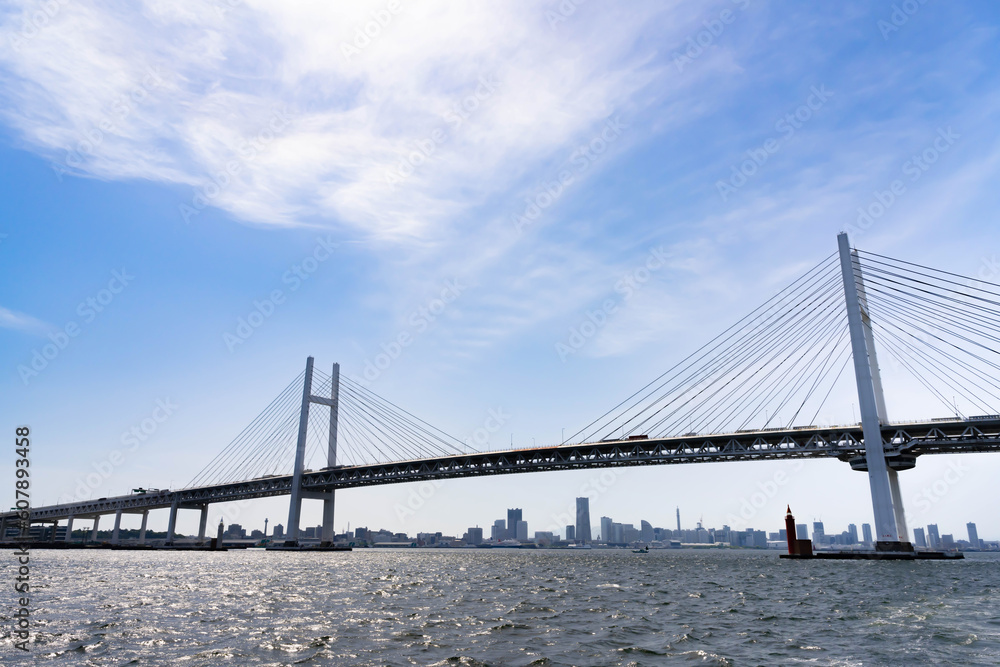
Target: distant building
[819, 535]
[583, 520]
[646, 531]
[544, 538]
[256, 534]
[279, 531]
[933, 536]
[570, 533]
[947, 542]
[852, 532]
[802, 531]
[499, 531]
[606, 528]
[866, 532]
[918, 538]
[513, 516]
[973, 535]
[521, 531]
[473, 536]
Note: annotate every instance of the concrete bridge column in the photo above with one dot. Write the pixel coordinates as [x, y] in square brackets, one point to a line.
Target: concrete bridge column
[142, 530]
[69, 529]
[55, 527]
[118, 525]
[173, 520]
[3, 528]
[295, 501]
[202, 524]
[331, 454]
[93, 533]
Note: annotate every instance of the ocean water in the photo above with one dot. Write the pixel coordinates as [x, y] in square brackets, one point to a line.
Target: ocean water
[503, 607]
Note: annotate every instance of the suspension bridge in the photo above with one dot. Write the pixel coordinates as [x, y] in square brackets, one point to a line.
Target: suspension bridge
[754, 392]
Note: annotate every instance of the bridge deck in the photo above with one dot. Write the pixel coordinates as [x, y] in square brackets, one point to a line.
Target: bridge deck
[942, 436]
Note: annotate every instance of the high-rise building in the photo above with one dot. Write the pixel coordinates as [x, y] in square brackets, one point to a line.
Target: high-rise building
[973, 535]
[866, 532]
[473, 536]
[499, 531]
[606, 523]
[570, 533]
[513, 516]
[933, 536]
[521, 531]
[278, 532]
[852, 531]
[819, 536]
[801, 531]
[918, 538]
[583, 520]
[645, 531]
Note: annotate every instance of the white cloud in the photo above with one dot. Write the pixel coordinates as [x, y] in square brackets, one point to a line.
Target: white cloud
[11, 319]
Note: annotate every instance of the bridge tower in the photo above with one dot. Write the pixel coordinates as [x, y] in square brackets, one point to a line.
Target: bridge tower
[890, 521]
[298, 492]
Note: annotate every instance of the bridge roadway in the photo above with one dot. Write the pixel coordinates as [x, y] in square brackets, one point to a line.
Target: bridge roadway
[903, 442]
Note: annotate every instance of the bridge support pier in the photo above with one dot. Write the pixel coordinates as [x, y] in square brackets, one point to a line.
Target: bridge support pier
[297, 492]
[69, 529]
[202, 524]
[886, 497]
[172, 523]
[142, 530]
[3, 529]
[93, 532]
[118, 525]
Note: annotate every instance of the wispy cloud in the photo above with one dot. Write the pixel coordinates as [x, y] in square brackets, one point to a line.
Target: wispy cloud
[11, 319]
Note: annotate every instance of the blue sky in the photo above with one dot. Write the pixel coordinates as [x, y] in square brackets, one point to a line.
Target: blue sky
[213, 153]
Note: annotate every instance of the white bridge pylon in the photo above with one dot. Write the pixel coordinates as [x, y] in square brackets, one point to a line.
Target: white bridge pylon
[887, 502]
[298, 493]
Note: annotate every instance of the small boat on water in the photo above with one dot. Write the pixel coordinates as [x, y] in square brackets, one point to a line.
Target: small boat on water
[644, 550]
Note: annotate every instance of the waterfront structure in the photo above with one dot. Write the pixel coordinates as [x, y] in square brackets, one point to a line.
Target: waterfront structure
[521, 531]
[499, 532]
[973, 535]
[606, 524]
[570, 533]
[866, 531]
[513, 516]
[933, 536]
[583, 520]
[918, 538]
[646, 531]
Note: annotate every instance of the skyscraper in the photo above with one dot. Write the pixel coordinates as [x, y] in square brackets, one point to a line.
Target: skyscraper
[499, 531]
[918, 538]
[583, 520]
[801, 531]
[513, 516]
[570, 533]
[852, 530]
[521, 531]
[606, 523]
[819, 536]
[933, 536]
[646, 531]
[973, 535]
[866, 531]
